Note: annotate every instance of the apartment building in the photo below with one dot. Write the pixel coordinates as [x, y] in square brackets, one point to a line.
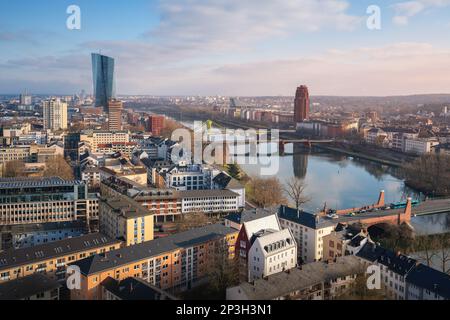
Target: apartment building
[21, 153]
[188, 177]
[132, 289]
[43, 200]
[179, 261]
[125, 148]
[55, 114]
[33, 287]
[271, 252]
[344, 240]
[394, 267]
[96, 138]
[308, 230]
[124, 218]
[314, 281]
[425, 283]
[52, 258]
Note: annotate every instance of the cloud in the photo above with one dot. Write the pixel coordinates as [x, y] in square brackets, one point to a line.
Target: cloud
[231, 24]
[408, 9]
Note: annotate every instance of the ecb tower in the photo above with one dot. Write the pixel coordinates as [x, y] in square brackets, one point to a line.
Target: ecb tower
[104, 81]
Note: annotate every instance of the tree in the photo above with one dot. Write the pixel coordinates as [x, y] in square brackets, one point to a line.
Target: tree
[295, 189]
[193, 220]
[425, 249]
[223, 270]
[234, 170]
[359, 291]
[265, 192]
[443, 253]
[14, 169]
[430, 174]
[58, 167]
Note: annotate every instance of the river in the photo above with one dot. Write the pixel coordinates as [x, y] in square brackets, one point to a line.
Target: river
[345, 182]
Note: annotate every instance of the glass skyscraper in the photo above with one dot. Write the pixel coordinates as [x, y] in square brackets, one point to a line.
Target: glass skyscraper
[104, 80]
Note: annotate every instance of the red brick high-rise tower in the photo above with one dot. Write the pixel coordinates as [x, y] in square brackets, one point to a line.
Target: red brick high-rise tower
[301, 104]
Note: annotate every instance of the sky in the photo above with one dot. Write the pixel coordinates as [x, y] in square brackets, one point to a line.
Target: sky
[228, 47]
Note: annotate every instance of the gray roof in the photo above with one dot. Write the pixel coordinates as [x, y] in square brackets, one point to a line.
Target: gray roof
[13, 183]
[207, 193]
[25, 287]
[134, 289]
[127, 255]
[126, 207]
[16, 257]
[398, 263]
[430, 279]
[250, 215]
[283, 283]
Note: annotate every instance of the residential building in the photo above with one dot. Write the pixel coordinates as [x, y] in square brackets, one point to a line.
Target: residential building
[272, 251]
[95, 138]
[394, 268]
[132, 289]
[52, 258]
[33, 287]
[179, 261]
[30, 235]
[344, 240]
[125, 219]
[425, 283]
[188, 177]
[308, 230]
[55, 114]
[313, 281]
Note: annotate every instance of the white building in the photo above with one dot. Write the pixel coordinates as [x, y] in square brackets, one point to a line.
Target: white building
[272, 251]
[308, 231]
[96, 138]
[208, 201]
[55, 114]
[189, 177]
[420, 146]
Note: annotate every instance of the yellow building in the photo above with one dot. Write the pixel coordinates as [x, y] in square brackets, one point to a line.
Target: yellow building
[123, 218]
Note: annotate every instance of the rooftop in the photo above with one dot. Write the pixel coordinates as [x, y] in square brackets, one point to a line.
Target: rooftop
[14, 183]
[16, 257]
[311, 274]
[25, 287]
[431, 279]
[135, 289]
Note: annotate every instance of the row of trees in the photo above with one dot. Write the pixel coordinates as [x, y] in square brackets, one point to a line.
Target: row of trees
[430, 174]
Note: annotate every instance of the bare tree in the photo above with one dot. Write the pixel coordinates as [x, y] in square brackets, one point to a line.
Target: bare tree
[58, 167]
[425, 247]
[14, 169]
[443, 253]
[265, 192]
[295, 189]
[193, 220]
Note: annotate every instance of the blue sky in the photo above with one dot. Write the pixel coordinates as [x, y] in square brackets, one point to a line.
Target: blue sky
[228, 47]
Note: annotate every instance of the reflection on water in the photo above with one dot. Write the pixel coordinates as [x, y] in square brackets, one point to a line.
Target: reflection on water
[341, 181]
[432, 224]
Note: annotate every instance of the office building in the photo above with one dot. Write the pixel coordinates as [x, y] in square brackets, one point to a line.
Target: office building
[115, 108]
[104, 80]
[301, 104]
[44, 200]
[55, 114]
